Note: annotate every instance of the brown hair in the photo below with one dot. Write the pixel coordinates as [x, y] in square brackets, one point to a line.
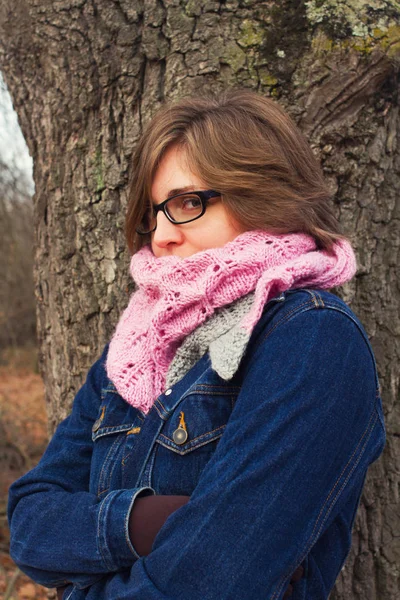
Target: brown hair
[246, 147]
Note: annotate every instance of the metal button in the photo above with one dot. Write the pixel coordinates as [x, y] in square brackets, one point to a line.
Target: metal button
[96, 425]
[168, 392]
[179, 436]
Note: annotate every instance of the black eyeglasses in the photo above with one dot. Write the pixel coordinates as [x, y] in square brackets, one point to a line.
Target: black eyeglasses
[178, 209]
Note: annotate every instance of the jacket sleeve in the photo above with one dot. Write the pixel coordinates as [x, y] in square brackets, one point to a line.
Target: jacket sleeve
[60, 532]
[303, 431]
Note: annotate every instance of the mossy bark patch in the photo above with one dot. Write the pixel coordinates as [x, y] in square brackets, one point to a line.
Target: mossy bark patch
[286, 38]
[346, 18]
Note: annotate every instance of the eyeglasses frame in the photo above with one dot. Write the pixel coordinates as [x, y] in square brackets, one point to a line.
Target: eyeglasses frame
[203, 195]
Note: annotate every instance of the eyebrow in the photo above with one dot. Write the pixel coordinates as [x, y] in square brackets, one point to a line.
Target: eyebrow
[176, 191]
[182, 190]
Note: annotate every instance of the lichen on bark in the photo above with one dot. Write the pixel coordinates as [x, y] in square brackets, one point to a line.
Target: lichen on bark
[353, 18]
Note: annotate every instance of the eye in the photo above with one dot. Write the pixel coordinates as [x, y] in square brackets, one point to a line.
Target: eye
[184, 208]
[190, 203]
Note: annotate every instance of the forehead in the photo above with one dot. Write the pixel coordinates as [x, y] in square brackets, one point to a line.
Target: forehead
[173, 175]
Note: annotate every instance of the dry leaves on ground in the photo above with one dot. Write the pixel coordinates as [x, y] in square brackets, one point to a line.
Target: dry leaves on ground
[23, 438]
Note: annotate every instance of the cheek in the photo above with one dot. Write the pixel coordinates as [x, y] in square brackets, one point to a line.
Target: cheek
[216, 234]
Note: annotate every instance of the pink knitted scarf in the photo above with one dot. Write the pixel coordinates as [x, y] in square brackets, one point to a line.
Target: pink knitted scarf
[176, 295]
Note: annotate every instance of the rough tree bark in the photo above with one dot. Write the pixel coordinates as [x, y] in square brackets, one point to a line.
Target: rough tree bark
[86, 74]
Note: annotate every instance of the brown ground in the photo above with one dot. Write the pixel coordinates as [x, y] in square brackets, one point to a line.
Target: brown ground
[23, 438]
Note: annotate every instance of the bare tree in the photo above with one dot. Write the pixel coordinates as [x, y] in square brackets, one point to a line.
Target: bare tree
[86, 74]
[17, 303]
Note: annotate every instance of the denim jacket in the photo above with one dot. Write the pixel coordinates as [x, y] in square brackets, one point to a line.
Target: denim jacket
[274, 462]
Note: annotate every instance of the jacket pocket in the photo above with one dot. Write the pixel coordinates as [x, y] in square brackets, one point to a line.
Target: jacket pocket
[189, 438]
[200, 418]
[114, 420]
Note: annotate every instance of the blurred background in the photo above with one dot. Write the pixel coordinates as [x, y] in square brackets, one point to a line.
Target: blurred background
[23, 422]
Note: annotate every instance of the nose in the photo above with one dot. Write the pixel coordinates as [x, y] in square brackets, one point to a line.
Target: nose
[166, 232]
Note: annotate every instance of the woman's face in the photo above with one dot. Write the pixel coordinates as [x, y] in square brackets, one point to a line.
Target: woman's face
[214, 229]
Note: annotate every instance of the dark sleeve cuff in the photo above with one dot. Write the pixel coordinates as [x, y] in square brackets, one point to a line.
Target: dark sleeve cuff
[113, 538]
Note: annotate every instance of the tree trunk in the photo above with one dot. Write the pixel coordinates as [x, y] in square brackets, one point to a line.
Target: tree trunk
[86, 74]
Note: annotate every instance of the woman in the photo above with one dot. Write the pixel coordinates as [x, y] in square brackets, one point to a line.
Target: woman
[236, 397]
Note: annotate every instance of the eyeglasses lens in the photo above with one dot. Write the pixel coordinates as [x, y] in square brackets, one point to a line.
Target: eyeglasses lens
[184, 208]
[181, 209]
[148, 223]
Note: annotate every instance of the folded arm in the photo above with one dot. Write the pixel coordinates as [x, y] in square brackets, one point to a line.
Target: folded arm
[300, 438]
[59, 531]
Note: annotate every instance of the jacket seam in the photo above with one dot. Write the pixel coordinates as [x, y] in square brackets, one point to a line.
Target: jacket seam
[199, 436]
[364, 336]
[148, 470]
[192, 448]
[209, 435]
[314, 304]
[70, 595]
[160, 414]
[99, 518]
[162, 405]
[313, 536]
[106, 473]
[316, 298]
[329, 304]
[108, 429]
[286, 317]
[225, 390]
